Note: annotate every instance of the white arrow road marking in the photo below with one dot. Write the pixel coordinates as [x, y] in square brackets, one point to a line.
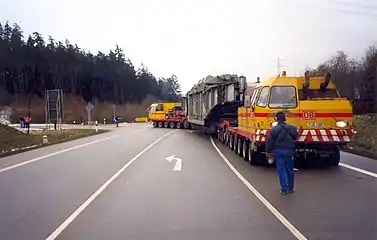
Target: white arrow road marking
[178, 163]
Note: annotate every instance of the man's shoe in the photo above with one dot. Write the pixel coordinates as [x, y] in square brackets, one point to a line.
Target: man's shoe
[291, 191]
[283, 193]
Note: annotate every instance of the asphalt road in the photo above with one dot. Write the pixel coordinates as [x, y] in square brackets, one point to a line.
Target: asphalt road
[119, 185]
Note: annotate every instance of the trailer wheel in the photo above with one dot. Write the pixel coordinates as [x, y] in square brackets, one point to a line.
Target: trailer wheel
[222, 136]
[254, 157]
[226, 137]
[179, 125]
[172, 124]
[235, 142]
[186, 124]
[160, 124]
[154, 124]
[245, 147]
[219, 135]
[166, 124]
[231, 141]
[335, 157]
[239, 146]
[250, 153]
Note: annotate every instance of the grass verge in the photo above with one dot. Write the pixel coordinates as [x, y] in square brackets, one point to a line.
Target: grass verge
[13, 141]
[364, 142]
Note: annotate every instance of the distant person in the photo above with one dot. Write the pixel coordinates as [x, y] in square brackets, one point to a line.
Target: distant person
[116, 120]
[27, 122]
[280, 145]
[22, 122]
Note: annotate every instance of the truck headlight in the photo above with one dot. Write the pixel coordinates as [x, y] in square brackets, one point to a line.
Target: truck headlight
[274, 124]
[341, 124]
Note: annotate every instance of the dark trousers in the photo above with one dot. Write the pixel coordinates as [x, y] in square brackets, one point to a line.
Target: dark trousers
[284, 165]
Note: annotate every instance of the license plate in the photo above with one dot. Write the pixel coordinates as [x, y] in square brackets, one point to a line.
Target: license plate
[315, 124]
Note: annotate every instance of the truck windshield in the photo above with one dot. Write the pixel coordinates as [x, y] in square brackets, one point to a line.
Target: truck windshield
[283, 97]
[317, 93]
[178, 109]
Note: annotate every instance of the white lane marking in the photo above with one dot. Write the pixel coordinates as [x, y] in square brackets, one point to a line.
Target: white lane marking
[74, 215]
[55, 153]
[372, 174]
[268, 205]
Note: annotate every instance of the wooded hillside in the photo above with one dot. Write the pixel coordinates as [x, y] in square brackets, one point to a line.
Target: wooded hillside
[31, 65]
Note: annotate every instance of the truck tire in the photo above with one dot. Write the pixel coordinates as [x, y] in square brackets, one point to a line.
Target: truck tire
[254, 157]
[226, 137]
[186, 125]
[239, 146]
[160, 124]
[231, 141]
[172, 124]
[245, 148]
[166, 124]
[335, 157]
[235, 143]
[222, 136]
[179, 125]
[154, 124]
[219, 135]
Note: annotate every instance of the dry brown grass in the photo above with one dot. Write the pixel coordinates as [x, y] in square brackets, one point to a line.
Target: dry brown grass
[74, 109]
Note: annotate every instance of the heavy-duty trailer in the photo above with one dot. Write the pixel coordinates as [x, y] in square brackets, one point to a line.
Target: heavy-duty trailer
[214, 99]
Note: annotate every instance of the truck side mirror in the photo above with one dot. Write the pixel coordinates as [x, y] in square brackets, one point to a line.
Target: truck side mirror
[247, 101]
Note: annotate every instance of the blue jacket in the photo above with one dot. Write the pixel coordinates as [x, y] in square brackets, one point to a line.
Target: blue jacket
[282, 136]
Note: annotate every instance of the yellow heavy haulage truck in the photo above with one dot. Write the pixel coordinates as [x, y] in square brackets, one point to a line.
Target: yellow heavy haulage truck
[312, 104]
[168, 115]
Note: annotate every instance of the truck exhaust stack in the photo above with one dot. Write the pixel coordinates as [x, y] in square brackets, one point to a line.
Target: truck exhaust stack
[306, 84]
[326, 82]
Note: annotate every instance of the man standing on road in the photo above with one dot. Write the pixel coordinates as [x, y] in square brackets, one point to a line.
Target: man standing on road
[280, 144]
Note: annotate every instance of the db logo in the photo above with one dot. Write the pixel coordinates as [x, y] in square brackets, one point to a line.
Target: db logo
[308, 115]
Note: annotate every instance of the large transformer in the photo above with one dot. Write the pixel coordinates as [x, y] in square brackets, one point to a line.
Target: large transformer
[213, 99]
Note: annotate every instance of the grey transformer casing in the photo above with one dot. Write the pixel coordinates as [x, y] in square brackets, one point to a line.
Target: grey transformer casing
[210, 93]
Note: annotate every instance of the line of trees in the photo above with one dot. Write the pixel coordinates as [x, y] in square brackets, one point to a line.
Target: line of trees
[356, 79]
[31, 66]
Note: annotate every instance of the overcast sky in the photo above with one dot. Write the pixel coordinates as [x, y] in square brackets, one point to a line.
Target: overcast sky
[195, 38]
